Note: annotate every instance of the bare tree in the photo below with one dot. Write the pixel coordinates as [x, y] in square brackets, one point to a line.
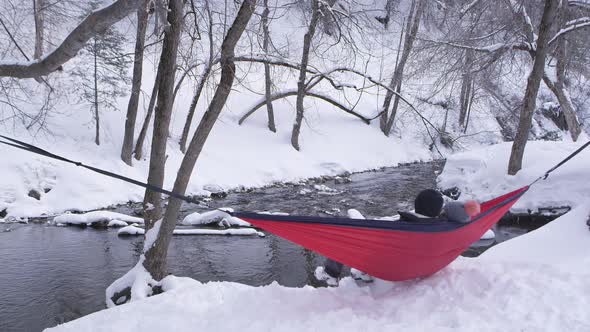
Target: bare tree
[533, 82]
[301, 84]
[156, 257]
[413, 23]
[267, 77]
[163, 111]
[201, 83]
[148, 117]
[127, 148]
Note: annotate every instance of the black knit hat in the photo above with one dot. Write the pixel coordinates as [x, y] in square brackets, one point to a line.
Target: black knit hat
[429, 203]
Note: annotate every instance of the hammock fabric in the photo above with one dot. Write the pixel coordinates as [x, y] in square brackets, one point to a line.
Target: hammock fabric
[389, 250]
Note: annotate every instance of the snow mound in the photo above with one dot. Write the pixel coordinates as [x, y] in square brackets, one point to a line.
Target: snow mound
[133, 230]
[93, 217]
[216, 216]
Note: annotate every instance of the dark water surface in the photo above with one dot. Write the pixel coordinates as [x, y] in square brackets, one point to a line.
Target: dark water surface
[50, 275]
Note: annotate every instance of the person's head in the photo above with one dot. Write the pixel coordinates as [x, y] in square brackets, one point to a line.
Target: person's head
[429, 203]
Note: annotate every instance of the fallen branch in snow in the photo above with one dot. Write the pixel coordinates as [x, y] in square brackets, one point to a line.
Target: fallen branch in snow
[290, 93]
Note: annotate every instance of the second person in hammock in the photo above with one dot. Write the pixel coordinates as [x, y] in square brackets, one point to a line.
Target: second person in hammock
[428, 204]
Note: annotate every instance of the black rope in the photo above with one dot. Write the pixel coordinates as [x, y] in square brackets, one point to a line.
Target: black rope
[31, 148]
[546, 175]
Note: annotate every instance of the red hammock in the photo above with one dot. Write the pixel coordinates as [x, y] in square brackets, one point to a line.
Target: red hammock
[389, 250]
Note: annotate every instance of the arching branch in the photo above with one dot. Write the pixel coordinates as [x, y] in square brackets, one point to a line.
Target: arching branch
[309, 94]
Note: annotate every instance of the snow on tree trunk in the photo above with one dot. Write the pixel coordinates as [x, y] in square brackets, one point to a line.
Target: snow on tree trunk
[533, 82]
[127, 148]
[155, 261]
[301, 86]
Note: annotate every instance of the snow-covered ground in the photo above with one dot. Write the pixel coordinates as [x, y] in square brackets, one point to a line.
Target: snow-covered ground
[536, 282]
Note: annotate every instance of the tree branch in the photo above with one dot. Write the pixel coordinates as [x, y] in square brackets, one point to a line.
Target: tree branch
[286, 94]
[97, 22]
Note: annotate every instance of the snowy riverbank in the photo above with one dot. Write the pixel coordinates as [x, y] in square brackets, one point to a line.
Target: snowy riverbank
[536, 282]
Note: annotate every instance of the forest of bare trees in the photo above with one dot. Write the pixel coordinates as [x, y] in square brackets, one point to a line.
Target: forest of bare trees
[519, 63]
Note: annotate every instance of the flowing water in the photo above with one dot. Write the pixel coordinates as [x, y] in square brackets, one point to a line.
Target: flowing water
[50, 275]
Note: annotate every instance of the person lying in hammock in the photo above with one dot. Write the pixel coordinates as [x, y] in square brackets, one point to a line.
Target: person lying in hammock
[428, 204]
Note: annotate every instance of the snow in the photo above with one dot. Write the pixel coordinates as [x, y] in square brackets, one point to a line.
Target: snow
[134, 230]
[535, 282]
[216, 216]
[117, 223]
[96, 217]
[151, 236]
[481, 174]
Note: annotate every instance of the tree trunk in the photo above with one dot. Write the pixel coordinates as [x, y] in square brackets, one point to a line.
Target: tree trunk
[157, 260]
[200, 86]
[533, 82]
[303, 71]
[267, 78]
[567, 107]
[127, 148]
[148, 118]
[466, 86]
[96, 116]
[413, 23]
[39, 27]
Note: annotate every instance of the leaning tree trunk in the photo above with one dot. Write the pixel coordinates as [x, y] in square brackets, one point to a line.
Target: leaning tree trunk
[148, 118]
[157, 258]
[127, 148]
[533, 82]
[387, 119]
[267, 78]
[302, 73]
[167, 69]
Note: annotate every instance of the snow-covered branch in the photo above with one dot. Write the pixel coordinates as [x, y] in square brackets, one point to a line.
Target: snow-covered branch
[98, 21]
[571, 26]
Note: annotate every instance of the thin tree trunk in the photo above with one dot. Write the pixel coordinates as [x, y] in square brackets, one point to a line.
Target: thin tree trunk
[302, 73]
[201, 85]
[127, 148]
[567, 107]
[96, 116]
[160, 248]
[533, 82]
[470, 104]
[466, 86]
[39, 27]
[412, 30]
[148, 118]
[267, 78]
[155, 262]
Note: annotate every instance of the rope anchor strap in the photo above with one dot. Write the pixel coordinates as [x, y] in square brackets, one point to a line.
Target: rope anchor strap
[565, 160]
[31, 148]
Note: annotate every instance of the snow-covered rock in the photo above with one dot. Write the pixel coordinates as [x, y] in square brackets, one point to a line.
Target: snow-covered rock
[106, 217]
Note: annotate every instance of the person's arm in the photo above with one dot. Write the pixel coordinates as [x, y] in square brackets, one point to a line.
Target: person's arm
[461, 211]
